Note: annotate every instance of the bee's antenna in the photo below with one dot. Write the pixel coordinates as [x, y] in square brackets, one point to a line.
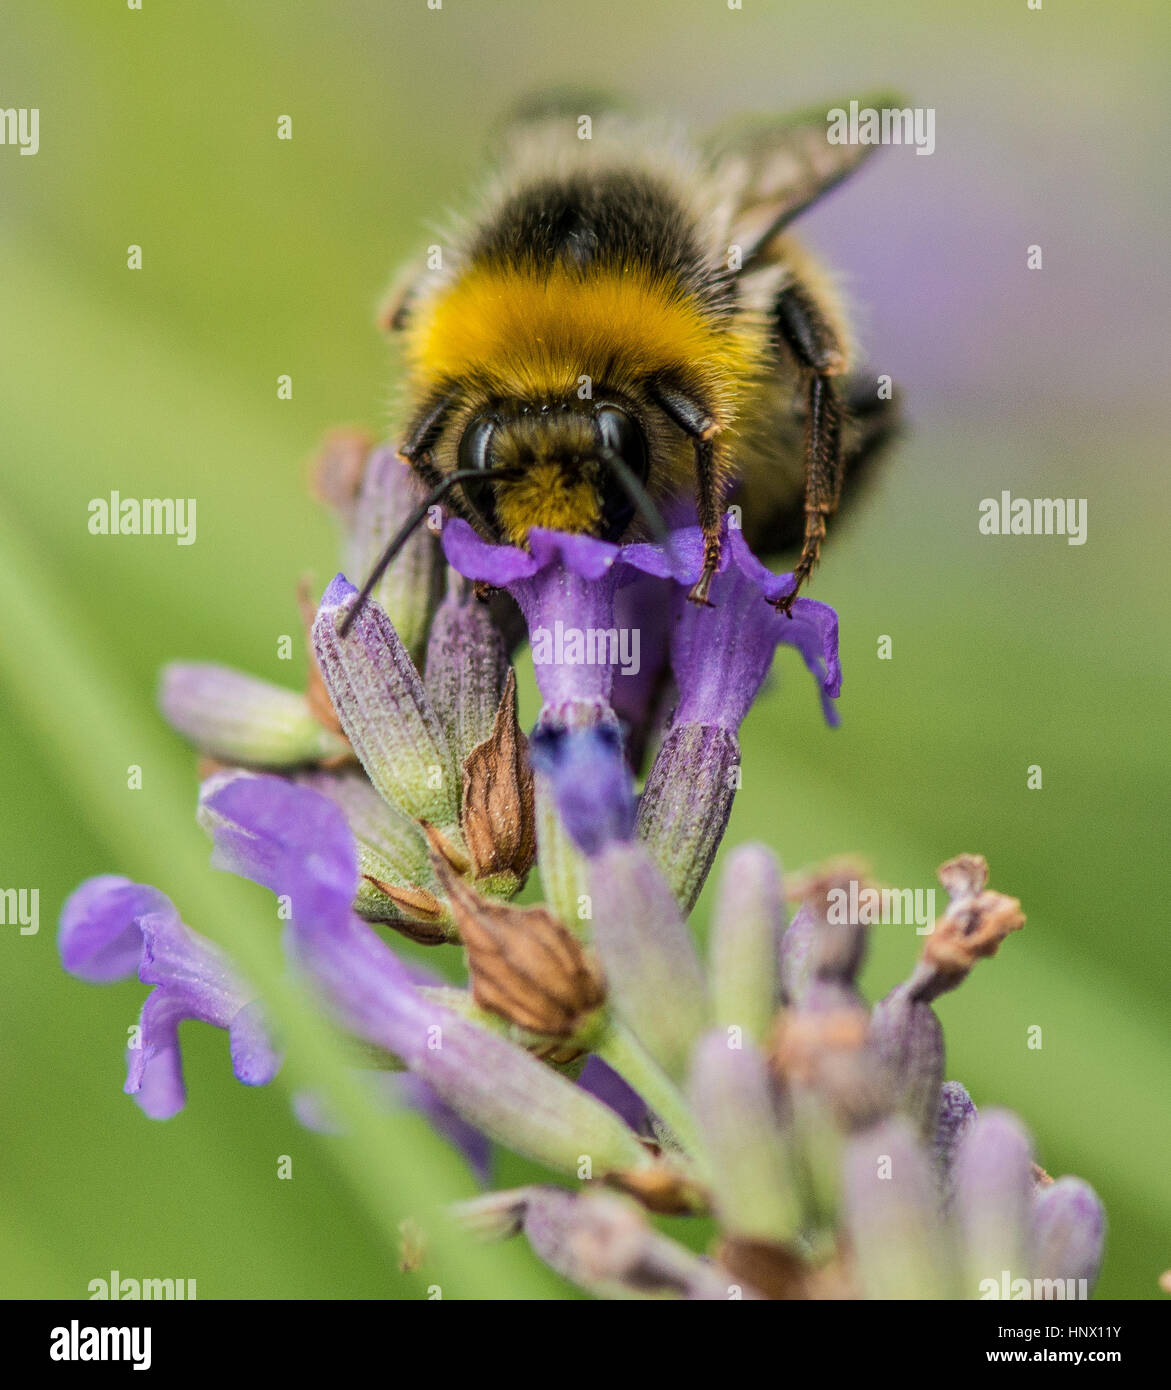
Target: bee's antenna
[407, 530]
[640, 499]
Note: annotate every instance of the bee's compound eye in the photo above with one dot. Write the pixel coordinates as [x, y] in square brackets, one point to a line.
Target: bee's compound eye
[475, 452]
[475, 445]
[619, 434]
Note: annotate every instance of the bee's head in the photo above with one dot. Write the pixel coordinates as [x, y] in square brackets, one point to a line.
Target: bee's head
[567, 466]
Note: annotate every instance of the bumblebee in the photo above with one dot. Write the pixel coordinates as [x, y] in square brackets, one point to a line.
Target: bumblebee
[627, 326]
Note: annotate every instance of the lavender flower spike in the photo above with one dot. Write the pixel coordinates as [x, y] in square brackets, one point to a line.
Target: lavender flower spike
[110, 928]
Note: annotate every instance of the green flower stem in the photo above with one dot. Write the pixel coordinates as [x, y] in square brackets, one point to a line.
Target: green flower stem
[620, 1049]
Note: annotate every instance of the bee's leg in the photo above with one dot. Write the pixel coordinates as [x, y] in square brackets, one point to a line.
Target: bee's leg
[691, 417]
[708, 498]
[815, 346]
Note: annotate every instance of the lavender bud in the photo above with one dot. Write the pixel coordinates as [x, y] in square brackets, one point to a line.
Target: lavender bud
[994, 1201]
[686, 803]
[955, 1116]
[748, 922]
[652, 970]
[384, 709]
[1069, 1228]
[467, 667]
[241, 719]
[907, 1039]
[409, 590]
[890, 1207]
[753, 1189]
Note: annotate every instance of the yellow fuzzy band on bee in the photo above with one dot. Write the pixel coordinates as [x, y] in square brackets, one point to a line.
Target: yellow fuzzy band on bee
[534, 332]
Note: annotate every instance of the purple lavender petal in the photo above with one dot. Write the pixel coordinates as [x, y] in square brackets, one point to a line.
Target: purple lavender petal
[682, 564]
[722, 655]
[566, 580]
[194, 981]
[111, 927]
[254, 1061]
[583, 555]
[814, 625]
[99, 938]
[741, 632]
[476, 558]
[558, 603]
[590, 782]
[250, 820]
[646, 605]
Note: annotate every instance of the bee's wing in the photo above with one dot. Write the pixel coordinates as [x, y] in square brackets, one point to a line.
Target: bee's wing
[780, 166]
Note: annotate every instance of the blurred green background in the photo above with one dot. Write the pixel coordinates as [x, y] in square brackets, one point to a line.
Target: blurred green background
[263, 257]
